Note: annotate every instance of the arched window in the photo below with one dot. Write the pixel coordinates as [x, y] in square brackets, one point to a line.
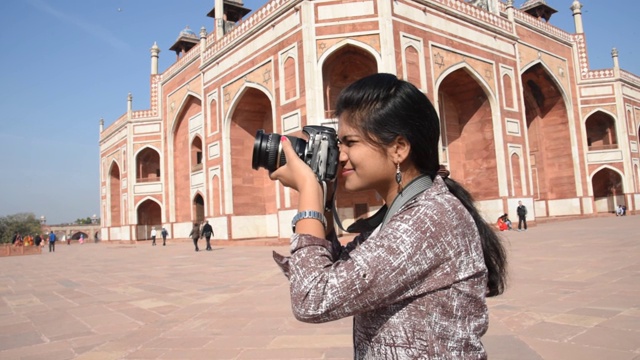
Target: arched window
[196, 154]
[147, 165]
[601, 132]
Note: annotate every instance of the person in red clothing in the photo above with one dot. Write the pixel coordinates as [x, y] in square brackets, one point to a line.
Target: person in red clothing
[504, 223]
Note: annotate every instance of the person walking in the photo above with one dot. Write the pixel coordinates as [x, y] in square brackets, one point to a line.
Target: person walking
[52, 242]
[153, 236]
[522, 216]
[164, 233]
[207, 232]
[195, 234]
[417, 276]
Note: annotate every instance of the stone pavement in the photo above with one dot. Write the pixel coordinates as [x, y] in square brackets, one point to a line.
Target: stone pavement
[574, 293]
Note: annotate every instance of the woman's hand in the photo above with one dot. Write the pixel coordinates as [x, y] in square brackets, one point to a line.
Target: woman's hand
[295, 174]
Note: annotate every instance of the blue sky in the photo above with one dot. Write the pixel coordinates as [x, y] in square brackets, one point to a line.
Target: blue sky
[68, 63]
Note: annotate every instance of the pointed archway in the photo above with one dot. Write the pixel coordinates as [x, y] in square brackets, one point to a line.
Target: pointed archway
[198, 208]
[115, 188]
[601, 131]
[149, 215]
[182, 158]
[548, 130]
[467, 133]
[608, 192]
[344, 66]
[147, 165]
[253, 192]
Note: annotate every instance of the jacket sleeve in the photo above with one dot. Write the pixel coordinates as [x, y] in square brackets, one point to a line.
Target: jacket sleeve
[416, 252]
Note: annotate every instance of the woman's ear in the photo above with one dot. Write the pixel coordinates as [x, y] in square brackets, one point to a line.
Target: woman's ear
[402, 148]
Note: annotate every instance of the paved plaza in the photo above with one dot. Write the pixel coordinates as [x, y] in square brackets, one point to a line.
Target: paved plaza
[574, 293]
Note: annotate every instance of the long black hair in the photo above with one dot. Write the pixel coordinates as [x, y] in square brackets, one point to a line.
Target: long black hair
[384, 107]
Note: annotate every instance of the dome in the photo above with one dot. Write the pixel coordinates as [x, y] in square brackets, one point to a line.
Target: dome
[187, 33]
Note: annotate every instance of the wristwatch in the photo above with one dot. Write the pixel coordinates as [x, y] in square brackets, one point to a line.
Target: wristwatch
[308, 214]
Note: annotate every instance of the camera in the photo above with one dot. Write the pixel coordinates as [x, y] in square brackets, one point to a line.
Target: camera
[320, 152]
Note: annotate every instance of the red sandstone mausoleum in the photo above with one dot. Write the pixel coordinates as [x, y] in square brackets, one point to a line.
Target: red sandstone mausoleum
[524, 117]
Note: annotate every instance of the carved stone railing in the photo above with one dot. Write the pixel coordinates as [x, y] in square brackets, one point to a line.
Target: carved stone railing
[632, 78]
[114, 126]
[186, 58]
[541, 25]
[477, 13]
[242, 27]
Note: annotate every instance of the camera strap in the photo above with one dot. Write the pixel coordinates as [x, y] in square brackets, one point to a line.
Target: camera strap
[382, 216]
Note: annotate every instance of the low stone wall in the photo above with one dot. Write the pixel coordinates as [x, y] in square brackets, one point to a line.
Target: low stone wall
[10, 250]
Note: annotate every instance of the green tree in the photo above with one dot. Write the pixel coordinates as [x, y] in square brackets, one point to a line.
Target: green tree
[85, 221]
[23, 223]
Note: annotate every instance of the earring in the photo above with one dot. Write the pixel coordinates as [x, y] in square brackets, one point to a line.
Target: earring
[398, 174]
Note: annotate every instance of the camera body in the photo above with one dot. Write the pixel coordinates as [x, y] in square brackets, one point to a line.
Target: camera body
[320, 152]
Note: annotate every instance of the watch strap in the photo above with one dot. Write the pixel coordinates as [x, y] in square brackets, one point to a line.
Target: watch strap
[308, 214]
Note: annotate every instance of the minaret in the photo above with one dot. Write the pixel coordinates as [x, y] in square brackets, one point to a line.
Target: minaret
[231, 11]
[155, 51]
[219, 20]
[576, 7]
[203, 38]
[129, 103]
[510, 11]
[493, 7]
[616, 62]
[101, 124]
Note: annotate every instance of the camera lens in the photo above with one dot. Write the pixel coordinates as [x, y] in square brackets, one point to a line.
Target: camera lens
[267, 152]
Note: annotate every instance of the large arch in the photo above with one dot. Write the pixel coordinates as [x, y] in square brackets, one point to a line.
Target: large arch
[76, 236]
[608, 191]
[547, 122]
[115, 192]
[181, 158]
[466, 118]
[148, 216]
[342, 67]
[342, 64]
[253, 193]
[147, 165]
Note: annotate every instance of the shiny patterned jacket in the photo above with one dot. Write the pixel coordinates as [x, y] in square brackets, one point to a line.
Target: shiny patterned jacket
[415, 287]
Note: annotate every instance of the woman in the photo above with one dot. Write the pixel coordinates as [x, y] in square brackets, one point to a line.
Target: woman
[416, 283]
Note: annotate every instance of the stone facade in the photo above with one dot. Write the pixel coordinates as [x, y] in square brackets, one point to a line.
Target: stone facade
[523, 116]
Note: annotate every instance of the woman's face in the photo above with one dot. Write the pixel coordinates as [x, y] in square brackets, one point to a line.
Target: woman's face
[364, 165]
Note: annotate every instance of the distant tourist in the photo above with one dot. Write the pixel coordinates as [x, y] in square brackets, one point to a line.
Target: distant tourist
[207, 231]
[164, 233]
[153, 236]
[522, 216]
[52, 242]
[38, 240]
[195, 235]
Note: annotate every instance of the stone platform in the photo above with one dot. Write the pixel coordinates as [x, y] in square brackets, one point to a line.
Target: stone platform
[574, 293]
